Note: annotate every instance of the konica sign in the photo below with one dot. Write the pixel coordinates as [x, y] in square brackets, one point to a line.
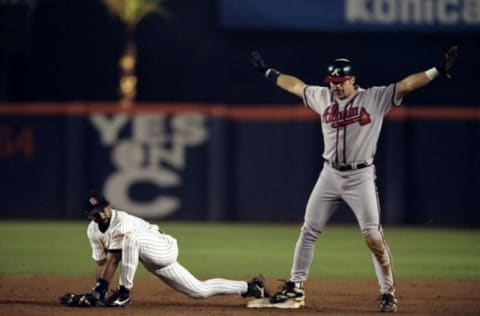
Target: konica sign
[352, 15]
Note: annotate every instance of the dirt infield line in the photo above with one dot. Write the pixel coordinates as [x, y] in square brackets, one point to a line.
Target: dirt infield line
[38, 296]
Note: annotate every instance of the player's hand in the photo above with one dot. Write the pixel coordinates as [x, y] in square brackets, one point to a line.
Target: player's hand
[258, 62]
[447, 61]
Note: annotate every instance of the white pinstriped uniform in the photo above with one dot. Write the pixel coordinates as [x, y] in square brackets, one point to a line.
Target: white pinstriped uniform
[351, 128]
[158, 252]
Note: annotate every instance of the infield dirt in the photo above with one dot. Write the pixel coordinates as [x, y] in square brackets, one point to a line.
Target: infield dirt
[39, 296]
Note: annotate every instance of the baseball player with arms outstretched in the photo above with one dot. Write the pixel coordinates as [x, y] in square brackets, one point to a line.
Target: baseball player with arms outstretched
[118, 238]
[351, 119]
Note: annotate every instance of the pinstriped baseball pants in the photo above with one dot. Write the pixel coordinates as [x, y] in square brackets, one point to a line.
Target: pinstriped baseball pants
[158, 253]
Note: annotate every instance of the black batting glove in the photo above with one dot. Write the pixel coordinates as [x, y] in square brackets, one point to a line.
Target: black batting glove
[447, 62]
[258, 62]
[260, 65]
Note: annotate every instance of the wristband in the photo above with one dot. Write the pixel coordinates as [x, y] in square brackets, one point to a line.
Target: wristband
[432, 73]
[272, 75]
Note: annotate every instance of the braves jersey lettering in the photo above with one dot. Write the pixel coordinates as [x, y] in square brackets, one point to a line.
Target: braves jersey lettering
[351, 127]
[346, 117]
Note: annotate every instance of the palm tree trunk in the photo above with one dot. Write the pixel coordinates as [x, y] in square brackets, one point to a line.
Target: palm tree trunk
[128, 78]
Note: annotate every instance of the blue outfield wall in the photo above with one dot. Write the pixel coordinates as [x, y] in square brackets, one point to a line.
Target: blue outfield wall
[218, 163]
[351, 15]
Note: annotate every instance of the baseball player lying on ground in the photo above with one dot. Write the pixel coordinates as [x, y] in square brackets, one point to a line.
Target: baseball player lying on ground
[351, 119]
[117, 237]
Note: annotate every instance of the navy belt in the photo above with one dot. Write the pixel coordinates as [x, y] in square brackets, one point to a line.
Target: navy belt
[346, 167]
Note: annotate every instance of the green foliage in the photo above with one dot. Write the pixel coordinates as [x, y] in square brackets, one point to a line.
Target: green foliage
[241, 250]
[132, 11]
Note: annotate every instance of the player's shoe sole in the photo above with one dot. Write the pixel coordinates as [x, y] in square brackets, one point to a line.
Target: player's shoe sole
[292, 303]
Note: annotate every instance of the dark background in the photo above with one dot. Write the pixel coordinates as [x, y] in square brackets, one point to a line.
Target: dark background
[62, 50]
[67, 51]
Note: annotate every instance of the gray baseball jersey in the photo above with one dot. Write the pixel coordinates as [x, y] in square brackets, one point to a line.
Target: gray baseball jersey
[351, 127]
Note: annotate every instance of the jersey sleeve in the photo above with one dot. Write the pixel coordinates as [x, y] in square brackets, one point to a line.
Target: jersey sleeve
[118, 235]
[385, 97]
[98, 251]
[315, 97]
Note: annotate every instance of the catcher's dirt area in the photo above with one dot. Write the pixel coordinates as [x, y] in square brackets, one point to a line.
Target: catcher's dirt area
[39, 296]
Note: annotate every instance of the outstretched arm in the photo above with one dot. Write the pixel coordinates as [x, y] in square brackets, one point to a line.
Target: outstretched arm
[421, 79]
[286, 82]
[291, 84]
[415, 81]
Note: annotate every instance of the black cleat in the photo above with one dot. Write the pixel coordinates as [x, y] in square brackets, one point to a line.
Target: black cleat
[256, 288]
[388, 303]
[119, 298]
[289, 292]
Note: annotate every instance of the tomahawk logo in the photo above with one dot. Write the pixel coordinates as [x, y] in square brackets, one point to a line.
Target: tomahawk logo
[336, 72]
[152, 153]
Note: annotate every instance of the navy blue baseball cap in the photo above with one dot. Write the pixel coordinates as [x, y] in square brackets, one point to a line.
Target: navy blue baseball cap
[95, 202]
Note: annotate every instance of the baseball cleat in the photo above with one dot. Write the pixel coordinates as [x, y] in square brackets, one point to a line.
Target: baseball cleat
[119, 302]
[256, 288]
[289, 291]
[388, 303]
[290, 296]
[119, 298]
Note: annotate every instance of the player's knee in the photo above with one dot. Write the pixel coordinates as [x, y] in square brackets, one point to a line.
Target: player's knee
[309, 233]
[372, 235]
[375, 242]
[372, 230]
[372, 241]
[378, 248]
